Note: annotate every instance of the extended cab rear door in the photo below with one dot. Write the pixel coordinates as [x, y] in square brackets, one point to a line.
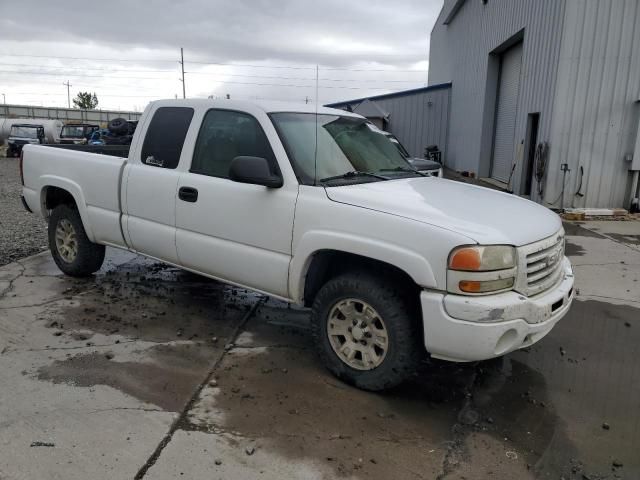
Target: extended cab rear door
[234, 231]
[152, 174]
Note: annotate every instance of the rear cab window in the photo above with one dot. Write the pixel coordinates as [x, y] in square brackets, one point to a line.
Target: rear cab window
[165, 137]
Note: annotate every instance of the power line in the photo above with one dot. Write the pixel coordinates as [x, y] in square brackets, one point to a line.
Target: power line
[236, 82]
[72, 75]
[88, 58]
[221, 74]
[84, 68]
[95, 59]
[102, 95]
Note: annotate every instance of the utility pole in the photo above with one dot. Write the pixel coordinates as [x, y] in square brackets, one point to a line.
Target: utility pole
[181, 62]
[68, 93]
[4, 99]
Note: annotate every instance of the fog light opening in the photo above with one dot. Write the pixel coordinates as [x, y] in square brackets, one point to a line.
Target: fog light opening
[507, 342]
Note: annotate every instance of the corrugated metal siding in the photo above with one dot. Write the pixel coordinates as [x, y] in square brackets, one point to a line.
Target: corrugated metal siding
[460, 53]
[419, 120]
[595, 103]
[506, 113]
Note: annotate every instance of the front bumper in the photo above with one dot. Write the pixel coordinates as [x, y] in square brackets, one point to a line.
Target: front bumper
[466, 329]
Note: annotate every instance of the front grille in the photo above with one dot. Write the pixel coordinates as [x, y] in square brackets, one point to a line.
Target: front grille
[543, 262]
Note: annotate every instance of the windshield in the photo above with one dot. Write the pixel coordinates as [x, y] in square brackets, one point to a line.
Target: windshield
[399, 146]
[23, 131]
[344, 144]
[72, 131]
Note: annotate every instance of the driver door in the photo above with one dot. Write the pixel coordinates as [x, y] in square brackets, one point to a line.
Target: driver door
[237, 232]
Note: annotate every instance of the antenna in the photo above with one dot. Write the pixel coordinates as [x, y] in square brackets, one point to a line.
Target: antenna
[315, 158]
[181, 62]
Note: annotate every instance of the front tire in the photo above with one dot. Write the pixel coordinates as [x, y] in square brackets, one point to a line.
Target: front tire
[70, 247]
[365, 331]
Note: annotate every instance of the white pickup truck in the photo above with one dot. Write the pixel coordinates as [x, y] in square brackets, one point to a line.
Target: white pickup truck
[320, 209]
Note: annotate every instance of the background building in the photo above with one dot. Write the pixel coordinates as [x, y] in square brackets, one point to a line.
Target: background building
[417, 117]
[565, 73]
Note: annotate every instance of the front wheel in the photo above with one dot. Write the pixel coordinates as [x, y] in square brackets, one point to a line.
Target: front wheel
[70, 247]
[366, 332]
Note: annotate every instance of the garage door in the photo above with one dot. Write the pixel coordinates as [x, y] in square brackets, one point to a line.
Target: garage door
[506, 110]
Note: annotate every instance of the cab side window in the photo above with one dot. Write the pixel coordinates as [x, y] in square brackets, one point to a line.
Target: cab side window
[225, 135]
[165, 136]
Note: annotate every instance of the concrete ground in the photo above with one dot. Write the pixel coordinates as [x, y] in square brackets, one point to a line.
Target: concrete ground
[144, 371]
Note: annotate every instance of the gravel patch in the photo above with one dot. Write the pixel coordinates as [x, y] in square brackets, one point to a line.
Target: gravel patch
[21, 233]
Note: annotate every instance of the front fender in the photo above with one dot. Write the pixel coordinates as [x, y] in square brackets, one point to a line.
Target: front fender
[412, 263]
[76, 192]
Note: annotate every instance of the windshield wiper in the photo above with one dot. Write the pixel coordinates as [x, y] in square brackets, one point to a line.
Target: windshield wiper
[354, 174]
[404, 169]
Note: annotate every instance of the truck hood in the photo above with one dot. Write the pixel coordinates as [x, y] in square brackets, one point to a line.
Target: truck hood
[486, 216]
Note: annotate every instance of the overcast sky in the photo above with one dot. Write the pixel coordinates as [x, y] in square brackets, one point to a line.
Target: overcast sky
[128, 51]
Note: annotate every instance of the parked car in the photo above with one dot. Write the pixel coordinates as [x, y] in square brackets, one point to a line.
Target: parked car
[21, 135]
[77, 133]
[51, 127]
[424, 165]
[317, 209]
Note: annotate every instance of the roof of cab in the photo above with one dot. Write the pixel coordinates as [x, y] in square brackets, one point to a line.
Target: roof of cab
[266, 106]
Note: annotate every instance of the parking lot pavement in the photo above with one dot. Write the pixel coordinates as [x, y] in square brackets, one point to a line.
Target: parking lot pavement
[144, 371]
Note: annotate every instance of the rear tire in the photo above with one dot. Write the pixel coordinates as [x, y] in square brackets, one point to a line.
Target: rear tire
[70, 247]
[352, 315]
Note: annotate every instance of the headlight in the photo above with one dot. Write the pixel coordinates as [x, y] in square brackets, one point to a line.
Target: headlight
[482, 259]
[481, 269]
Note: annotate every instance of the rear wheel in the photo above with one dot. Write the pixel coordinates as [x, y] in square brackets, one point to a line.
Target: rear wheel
[366, 331]
[70, 247]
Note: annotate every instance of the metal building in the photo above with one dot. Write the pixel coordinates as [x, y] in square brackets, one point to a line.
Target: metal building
[417, 117]
[545, 96]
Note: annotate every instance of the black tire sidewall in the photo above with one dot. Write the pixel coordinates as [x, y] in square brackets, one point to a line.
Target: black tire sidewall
[403, 346]
[90, 255]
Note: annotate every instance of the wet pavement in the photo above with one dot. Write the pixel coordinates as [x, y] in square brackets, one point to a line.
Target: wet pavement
[145, 371]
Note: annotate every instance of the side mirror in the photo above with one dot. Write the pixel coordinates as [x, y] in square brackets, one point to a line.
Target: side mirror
[254, 170]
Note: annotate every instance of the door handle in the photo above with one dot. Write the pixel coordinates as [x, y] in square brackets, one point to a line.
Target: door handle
[188, 194]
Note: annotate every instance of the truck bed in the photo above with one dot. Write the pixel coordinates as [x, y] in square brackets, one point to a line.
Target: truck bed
[112, 150]
[93, 179]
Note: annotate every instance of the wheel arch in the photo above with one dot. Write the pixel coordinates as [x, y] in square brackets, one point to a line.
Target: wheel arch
[326, 264]
[323, 246]
[59, 191]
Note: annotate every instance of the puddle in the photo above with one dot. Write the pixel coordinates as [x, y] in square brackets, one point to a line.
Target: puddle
[573, 249]
[167, 377]
[622, 238]
[152, 302]
[585, 372]
[575, 230]
[274, 390]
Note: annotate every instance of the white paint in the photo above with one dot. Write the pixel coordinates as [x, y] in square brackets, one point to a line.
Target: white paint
[265, 239]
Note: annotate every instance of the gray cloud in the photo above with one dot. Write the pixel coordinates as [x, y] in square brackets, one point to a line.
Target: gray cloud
[332, 33]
